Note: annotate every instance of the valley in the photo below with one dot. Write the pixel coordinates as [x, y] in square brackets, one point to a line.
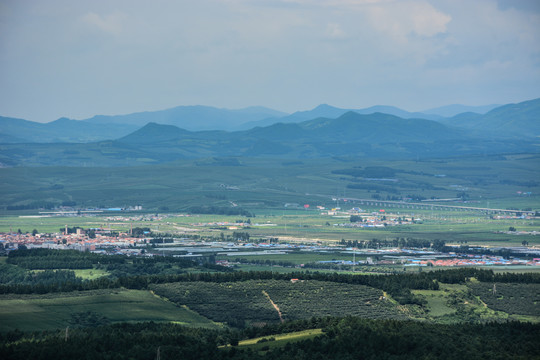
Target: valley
[266, 241]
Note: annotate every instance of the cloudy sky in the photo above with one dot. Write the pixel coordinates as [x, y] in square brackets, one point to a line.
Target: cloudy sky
[82, 58]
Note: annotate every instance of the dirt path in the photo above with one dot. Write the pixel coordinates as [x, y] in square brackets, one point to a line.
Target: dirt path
[274, 305]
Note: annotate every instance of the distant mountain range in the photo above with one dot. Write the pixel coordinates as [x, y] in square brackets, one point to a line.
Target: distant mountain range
[455, 109]
[507, 129]
[197, 118]
[194, 118]
[508, 121]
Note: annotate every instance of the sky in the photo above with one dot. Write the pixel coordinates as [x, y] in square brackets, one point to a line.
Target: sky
[77, 59]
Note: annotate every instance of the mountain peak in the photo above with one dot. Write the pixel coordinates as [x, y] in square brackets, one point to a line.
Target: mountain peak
[324, 107]
[154, 133]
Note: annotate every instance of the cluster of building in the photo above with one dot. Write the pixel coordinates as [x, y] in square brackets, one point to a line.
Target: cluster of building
[76, 241]
[474, 261]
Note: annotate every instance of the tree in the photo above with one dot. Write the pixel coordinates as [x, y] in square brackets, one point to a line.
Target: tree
[34, 232]
[511, 228]
[438, 244]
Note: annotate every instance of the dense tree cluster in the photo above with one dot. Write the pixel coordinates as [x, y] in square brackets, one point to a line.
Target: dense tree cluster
[139, 272]
[515, 298]
[396, 242]
[247, 302]
[341, 338]
[21, 279]
[59, 259]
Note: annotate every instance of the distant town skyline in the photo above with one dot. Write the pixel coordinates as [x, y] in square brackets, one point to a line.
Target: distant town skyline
[61, 58]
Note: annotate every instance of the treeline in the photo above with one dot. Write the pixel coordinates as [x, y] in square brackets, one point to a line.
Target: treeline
[355, 338]
[13, 275]
[220, 210]
[398, 286]
[266, 262]
[137, 266]
[479, 250]
[141, 272]
[18, 274]
[396, 242]
[35, 259]
[341, 338]
[315, 265]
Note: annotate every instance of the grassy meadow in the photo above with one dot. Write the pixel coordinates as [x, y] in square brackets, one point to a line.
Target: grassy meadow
[490, 181]
[50, 311]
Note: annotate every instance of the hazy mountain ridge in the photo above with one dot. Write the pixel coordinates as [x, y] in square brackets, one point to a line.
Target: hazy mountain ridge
[327, 111]
[511, 120]
[452, 110]
[521, 120]
[375, 135]
[193, 118]
[14, 130]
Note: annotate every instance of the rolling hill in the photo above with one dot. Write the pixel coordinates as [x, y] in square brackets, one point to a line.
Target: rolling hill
[512, 128]
[516, 121]
[376, 135]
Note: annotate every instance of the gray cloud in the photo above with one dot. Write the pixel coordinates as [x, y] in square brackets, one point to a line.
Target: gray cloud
[77, 59]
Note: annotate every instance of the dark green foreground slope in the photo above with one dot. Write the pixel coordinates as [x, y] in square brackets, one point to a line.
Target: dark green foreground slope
[347, 338]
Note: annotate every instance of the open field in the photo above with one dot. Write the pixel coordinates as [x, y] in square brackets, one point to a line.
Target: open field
[42, 312]
[485, 181]
[305, 226]
[90, 274]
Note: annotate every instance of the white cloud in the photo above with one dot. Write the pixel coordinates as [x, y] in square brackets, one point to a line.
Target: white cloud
[111, 23]
[405, 18]
[334, 31]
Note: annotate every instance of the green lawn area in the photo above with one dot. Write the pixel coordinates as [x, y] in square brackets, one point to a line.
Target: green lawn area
[50, 311]
[90, 274]
[436, 302]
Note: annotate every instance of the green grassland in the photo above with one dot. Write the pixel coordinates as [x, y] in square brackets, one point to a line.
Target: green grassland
[41, 312]
[90, 274]
[270, 183]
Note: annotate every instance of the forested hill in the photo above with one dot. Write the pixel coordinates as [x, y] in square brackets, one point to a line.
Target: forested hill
[507, 129]
[377, 135]
[520, 120]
